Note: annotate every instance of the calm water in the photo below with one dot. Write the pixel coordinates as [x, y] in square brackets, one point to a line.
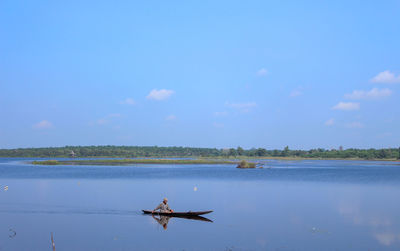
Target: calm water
[290, 205]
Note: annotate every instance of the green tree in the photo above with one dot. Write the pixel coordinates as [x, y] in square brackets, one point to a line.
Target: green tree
[382, 154]
[240, 151]
[398, 157]
[232, 152]
[285, 151]
[261, 152]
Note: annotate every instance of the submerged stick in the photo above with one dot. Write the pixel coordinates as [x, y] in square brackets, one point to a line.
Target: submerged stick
[52, 242]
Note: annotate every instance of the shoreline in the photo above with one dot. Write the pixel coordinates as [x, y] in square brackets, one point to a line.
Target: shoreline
[202, 160]
[231, 158]
[302, 158]
[131, 161]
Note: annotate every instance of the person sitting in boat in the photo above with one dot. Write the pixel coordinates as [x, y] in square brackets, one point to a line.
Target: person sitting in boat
[163, 207]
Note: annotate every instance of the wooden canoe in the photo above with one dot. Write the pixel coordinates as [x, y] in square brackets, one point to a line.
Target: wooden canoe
[178, 214]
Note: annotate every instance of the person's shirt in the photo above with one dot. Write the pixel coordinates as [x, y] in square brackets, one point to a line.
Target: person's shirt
[163, 207]
[163, 220]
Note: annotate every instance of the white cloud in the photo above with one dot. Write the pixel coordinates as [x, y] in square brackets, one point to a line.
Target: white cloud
[262, 72]
[107, 119]
[347, 106]
[170, 117]
[44, 124]
[218, 125]
[384, 135]
[296, 93]
[374, 93]
[128, 101]
[102, 121]
[159, 95]
[220, 114]
[114, 115]
[329, 122]
[244, 107]
[386, 77]
[355, 125]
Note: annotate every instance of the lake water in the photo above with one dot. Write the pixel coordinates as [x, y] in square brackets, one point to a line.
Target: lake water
[287, 205]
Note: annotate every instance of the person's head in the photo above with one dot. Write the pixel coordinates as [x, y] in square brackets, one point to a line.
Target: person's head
[165, 200]
[165, 226]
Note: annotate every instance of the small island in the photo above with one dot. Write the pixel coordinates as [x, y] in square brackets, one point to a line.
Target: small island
[244, 164]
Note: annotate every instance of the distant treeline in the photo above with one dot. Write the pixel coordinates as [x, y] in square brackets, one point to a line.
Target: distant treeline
[154, 151]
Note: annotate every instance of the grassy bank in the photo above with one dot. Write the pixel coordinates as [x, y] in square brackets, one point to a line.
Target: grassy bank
[293, 158]
[132, 161]
[175, 161]
[46, 162]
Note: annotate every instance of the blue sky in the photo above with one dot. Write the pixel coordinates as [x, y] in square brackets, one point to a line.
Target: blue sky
[305, 74]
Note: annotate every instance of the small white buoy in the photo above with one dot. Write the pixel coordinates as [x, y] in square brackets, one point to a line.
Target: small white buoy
[195, 188]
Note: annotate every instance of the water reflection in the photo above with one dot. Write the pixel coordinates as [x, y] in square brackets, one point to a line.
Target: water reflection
[387, 239]
[318, 206]
[383, 227]
[163, 220]
[12, 233]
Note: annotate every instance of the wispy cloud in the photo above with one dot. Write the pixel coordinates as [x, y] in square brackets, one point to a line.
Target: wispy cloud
[296, 92]
[220, 114]
[347, 106]
[243, 107]
[329, 122]
[114, 115]
[355, 124]
[384, 135]
[44, 124]
[262, 72]
[128, 101]
[218, 125]
[374, 93]
[159, 95]
[102, 121]
[386, 77]
[170, 117]
[107, 119]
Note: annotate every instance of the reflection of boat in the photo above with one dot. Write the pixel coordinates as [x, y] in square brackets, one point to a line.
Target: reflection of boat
[195, 217]
[186, 215]
[177, 214]
[162, 220]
